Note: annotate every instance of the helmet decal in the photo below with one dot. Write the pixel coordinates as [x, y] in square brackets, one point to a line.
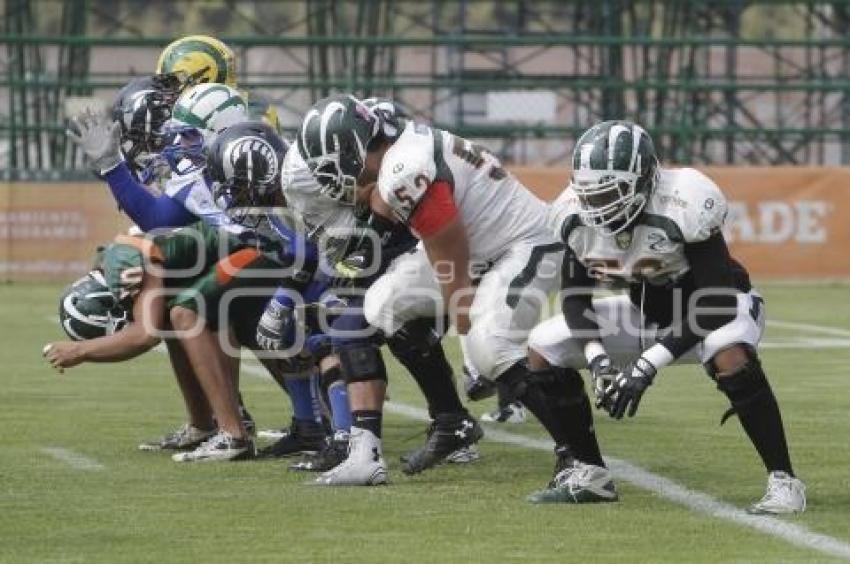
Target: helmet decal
[245, 147]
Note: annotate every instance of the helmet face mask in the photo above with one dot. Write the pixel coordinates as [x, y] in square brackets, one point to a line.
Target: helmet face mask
[183, 148]
[142, 108]
[615, 169]
[198, 59]
[335, 182]
[333, 140]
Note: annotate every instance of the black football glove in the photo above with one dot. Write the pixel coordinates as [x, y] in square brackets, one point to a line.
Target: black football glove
[628, 387]
[602, 374]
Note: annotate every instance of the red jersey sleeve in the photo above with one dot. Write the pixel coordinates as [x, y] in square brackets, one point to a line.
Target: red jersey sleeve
[435, 210]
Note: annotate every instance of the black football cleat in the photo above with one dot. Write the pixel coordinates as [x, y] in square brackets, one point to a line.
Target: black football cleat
[303, 437]
[333, 454]
[477, 388]
[449, 433]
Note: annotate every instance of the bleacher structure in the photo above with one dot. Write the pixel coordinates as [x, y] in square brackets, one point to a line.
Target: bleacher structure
[721, 82]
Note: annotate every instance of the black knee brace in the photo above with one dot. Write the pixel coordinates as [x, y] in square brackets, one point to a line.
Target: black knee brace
[417, 346]
[556, 396]
[560, 386]
[744, 387]
[415, 337]
[362, 363]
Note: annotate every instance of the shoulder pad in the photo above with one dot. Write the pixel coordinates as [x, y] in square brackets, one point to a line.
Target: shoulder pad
[691, 200]
[295, 175]
[563, 215]
[177, 182]
[407, 170]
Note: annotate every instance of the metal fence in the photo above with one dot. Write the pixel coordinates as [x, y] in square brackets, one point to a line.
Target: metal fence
[727, 81]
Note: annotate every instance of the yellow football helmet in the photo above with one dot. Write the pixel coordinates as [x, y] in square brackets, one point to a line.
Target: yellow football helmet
[197, 59]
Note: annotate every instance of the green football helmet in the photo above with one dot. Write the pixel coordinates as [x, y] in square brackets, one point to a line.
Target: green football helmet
[199, 115]
[615, 170]
[333, 139]
[88, 309]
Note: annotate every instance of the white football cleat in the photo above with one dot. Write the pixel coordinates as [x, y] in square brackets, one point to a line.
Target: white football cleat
[220, 447]
[365, 465]
[578, 483]
[785, 494]
[185, 438]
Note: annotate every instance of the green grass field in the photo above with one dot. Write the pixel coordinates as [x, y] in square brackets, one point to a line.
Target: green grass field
[142, 507]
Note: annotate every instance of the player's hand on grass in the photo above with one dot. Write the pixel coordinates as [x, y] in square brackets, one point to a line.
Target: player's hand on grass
[99, 138]
[627, 389]
[64, 354]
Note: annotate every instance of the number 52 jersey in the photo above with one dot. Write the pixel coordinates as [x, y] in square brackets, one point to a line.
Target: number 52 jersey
[497, 211]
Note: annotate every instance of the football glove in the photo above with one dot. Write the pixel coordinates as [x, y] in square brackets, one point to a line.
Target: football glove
[99, 138]
[628, 387]
[602, 374]
[274, 332]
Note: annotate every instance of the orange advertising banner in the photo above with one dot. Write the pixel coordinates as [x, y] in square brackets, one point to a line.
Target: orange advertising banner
[49, 231]
[783, 222]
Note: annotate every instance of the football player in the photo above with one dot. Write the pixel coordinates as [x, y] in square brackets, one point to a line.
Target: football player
[141, 108]
[657, 231]
[189, 197]
[175, 281]
[331, 224]
[201, 59]
[470, 215]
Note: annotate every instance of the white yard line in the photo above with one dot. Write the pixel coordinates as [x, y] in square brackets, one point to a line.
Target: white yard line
[73, 459]
[668, 489]
[823, 329]
[694, 500]
[806, 343]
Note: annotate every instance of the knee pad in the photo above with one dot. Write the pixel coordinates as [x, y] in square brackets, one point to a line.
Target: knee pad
[564, 386]
[414, 338]
[362, 363]
[560, 386]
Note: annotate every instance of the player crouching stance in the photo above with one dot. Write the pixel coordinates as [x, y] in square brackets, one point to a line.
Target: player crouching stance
[658, 231]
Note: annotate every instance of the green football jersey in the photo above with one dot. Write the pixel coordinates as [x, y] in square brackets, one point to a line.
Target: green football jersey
[183, 255]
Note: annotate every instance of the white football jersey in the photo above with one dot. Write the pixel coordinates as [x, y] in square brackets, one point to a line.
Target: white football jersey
[193, 193]
[685, 207]
[327, 223]
[496, 209]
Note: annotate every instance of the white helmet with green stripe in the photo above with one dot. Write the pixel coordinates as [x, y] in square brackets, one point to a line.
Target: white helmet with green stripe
[210, 108]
